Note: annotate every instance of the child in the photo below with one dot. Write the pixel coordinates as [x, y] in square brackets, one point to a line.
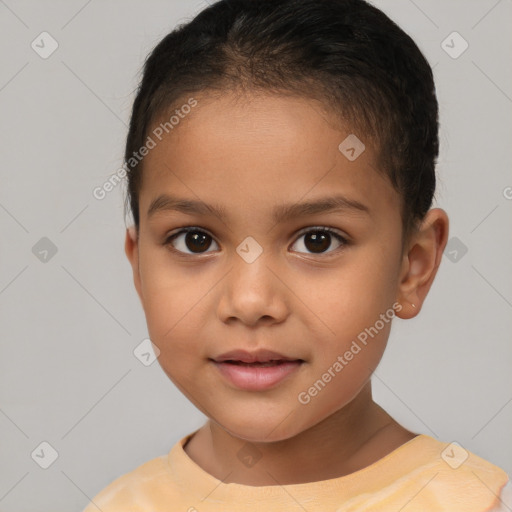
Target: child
[261, 129]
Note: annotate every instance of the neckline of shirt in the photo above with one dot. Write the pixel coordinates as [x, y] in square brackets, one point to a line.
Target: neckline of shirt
[419, 450]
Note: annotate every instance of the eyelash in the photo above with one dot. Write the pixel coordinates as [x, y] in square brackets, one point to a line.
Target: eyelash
[323, 229]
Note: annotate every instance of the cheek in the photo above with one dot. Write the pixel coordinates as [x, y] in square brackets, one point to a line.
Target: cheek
[353, 311]
[169, 292]
[171, 302]
[350, 298]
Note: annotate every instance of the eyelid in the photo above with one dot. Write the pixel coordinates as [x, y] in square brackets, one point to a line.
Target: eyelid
[185, 229]
[328, 229]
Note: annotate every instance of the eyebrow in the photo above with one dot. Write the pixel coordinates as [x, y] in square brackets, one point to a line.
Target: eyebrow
[340, 203]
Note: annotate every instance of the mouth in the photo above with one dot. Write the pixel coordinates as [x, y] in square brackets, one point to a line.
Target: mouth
[257, 376]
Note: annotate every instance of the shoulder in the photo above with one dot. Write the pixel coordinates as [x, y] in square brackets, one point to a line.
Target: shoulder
[453, 478]
[505, 499]
[132, 488]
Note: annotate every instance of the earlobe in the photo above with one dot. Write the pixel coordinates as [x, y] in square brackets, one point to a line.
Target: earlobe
[131, 248]
[421, 261]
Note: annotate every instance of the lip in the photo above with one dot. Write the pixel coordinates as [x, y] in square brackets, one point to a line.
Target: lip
[258, 356]
[257, 378]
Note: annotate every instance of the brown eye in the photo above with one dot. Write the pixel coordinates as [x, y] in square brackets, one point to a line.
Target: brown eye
[194, 240]
[318, 240]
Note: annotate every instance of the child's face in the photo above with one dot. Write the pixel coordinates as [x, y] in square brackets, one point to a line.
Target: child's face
[301, 297]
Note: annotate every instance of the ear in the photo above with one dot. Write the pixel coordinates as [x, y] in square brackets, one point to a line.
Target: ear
[131, 248]
[420, 262]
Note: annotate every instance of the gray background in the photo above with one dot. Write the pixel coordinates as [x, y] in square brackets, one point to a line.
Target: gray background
[70, 323]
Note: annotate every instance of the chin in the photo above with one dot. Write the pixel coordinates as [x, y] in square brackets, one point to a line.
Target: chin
[262, 430]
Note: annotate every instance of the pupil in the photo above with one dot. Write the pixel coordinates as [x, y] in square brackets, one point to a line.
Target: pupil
[198, 239]
[320, 241]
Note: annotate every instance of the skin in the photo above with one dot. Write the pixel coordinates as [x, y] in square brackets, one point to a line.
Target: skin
[248, 155]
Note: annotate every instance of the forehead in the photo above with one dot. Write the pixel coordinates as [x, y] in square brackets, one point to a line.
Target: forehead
[250, 154]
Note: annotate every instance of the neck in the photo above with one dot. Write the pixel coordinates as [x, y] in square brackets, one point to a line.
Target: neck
[352, 438]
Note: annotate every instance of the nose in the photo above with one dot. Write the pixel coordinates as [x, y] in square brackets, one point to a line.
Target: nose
[252, 293]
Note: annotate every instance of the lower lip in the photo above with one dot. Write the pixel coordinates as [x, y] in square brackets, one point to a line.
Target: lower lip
[257, 378]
